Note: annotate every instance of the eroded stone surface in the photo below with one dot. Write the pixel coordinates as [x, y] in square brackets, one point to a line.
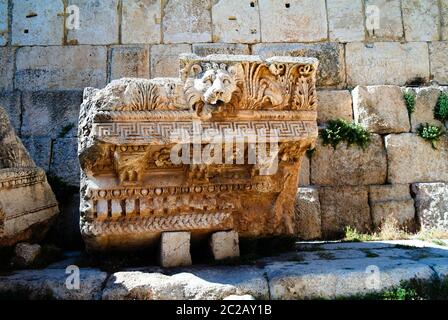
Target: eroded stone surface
[334, 104]
[412, 159]
[392, 202]
[308, 216]
[345, 20]
[129, 62]
[421, 20]
[224, 245]
[141, 21]
[349, 165]
[236, 21]
[337, 214]
[431, 204]
[175, 249]
[390, 23]
[27, 203]
[11, 102]
[425, 101]
[205, 49]
[3, 22]
[293, 21]
[187, 21]
[165, 59]
[438, 52]
[26, 254]
[382, 63]
[7, 68]
[380, 109]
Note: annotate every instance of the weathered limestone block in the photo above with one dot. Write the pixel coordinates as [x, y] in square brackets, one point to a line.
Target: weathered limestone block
[308, 216]
[383, 63]
[36, 24]
[39, 149]
[425, 101]
[11, 102]
[421, 20]
[129, 62]
[344, 206]
[214, 283]
[165, 59]
[380, 109]
[438, 51]
[99, 22]
[141, 21]
[225, 245]
[187, 21]
[346, 20]
[7, 55]
[431, 205]
[236, 21]
[392, 202]
[51, 113]
[390, 23]
[444, 19]
[138, 179]
[349, 165]
[27, 203]
[3, 22]
[304, 175]
[26, 254]
[331, 71]
[175, 249]
[71, 67]
[334, 104]
[412, 159]
[293, 21]
[64, 162]
[205, 49]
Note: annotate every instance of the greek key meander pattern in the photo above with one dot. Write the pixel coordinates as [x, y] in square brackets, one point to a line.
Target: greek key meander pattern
[146, 130]
[197, 221]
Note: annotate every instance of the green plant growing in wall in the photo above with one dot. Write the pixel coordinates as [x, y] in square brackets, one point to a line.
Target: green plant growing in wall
[430, 133]
[340, 130]
[441, 109]
[409, 99]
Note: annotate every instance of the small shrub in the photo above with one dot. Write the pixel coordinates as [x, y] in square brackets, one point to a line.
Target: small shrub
[351, 234]
[409, 100]
[340, 130]
[430, 133]
[441, 109]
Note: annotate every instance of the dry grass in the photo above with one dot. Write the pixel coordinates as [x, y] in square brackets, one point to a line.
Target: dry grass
[391, 230]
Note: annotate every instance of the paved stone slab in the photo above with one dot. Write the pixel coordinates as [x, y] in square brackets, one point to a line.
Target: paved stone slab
[71, 67]
[331, 71]
[51, 284]
[345, 20]
[195, 283]
[390, 20]
[293, 21]
[236, 21]
[382, 63]
[98, 22]
[141, 21]
[412, 159]
[421, 20]
[130, 62]
[349, 165]
[187, 21]
[334, 104]
[380, 109]
[37, 24]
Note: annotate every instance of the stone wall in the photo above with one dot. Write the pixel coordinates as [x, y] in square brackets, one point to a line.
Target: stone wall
[45, 63]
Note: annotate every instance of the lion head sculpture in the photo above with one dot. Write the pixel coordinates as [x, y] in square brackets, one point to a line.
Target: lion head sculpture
[213, 86]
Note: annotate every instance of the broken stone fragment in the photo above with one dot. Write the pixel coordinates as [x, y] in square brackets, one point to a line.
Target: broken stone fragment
[26, 254]
[27, 203]
[225, 245]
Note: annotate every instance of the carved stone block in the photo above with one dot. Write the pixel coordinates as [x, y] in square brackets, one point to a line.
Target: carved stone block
[175, 249]
[218, 148]
[26, 200]
[224, 245]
